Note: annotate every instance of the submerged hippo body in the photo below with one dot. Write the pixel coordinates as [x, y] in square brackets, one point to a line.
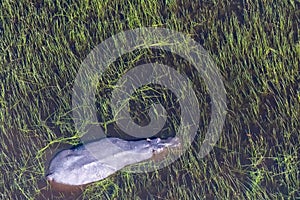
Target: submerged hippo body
[97, 160]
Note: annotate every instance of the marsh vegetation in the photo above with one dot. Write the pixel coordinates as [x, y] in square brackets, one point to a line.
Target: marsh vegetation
[255, 45]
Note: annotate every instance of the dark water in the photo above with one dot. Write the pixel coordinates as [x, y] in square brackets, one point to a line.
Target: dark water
[59, 191]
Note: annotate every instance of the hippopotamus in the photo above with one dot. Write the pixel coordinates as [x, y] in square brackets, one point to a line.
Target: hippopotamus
[97, 160]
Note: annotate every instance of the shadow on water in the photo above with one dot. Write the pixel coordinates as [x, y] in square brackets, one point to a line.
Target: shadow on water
[59, 191]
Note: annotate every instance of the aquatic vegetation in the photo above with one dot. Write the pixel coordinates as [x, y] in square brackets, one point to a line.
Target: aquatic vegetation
[255, 45]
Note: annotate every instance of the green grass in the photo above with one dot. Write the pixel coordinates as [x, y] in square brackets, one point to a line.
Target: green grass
[255, 45]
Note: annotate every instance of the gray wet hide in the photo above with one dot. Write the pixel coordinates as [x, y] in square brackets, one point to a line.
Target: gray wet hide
[97, 160]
